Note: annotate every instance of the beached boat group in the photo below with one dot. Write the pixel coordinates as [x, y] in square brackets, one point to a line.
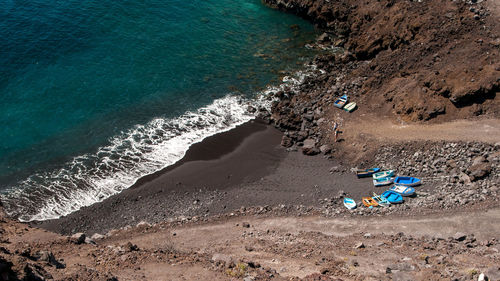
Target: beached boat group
[402, 186]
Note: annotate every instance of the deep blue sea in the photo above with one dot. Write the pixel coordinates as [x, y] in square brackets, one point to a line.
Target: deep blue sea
[95, 94]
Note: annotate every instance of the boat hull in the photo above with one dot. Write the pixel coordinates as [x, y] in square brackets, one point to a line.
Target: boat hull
[392, 197]
[349, 203]
[383, 174]
[382, 181]
[403, 190]
[407, 181]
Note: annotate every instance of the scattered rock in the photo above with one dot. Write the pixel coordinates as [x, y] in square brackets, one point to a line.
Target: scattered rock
[129, 247]
[359, 245]
[459, 236]
[245, 224]
[249, 248]
[400, 267]
[97, 236]
[221, 258]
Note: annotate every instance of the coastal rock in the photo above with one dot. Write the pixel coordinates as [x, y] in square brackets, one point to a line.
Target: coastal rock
[325, 149]
[286, 141]
[324, 38]
[309, 147]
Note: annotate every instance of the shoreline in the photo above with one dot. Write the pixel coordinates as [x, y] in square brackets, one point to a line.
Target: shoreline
[243, 167]
[176, 182]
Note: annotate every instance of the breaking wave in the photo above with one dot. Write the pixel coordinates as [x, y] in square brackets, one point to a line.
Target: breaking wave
[135, 153]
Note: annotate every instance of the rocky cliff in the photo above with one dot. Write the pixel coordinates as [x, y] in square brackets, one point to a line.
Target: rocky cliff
[416, 60]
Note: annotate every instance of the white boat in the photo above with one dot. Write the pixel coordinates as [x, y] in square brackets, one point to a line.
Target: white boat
[383, 181]
[383, 174]
[349, 203]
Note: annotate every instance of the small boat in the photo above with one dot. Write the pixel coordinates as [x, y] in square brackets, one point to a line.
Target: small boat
[349, 203]
[403, 190]
[383, 174]
[392, 197]
[369, 202]
[340, 102]
[350, 107]
[381, 201]
[407, 181]
[367, 172]
[383, 181]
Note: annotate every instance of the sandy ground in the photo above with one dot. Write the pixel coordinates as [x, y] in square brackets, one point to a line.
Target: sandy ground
[289, 247]
[484, 130]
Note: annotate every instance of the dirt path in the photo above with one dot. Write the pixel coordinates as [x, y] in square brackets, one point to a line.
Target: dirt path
[487, 130]
[299, 246]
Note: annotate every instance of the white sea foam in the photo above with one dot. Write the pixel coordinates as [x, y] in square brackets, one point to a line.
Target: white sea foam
[140, 151]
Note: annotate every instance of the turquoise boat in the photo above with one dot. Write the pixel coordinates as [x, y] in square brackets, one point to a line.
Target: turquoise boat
[407, 181]
[392, 197]
[383, 174]
[340, 102]
[382, 201]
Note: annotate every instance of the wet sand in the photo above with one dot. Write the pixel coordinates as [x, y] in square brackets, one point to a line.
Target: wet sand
[242, 167]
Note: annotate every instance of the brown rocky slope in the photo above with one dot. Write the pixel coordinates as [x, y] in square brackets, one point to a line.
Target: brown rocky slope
[419, 60]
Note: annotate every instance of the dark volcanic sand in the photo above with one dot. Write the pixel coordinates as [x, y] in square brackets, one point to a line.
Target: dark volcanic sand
[242, 167]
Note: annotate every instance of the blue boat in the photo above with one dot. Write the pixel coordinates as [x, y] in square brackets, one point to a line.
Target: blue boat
[382, 181]
[367, 172]
[403, 190]
[349, 203]
[340, 102]
[407, 181]
[392, 197]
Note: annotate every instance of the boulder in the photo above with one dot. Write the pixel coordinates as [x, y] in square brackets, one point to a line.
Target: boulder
[324, 38]
[325, 149]
[49, 258]
[309, 147]
[464, 178]
[221, 258]
[479, 171]
[78, 238]
[478, 160]
[459, 236]
[36, 273]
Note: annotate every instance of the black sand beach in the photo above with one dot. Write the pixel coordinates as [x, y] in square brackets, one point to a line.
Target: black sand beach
[245, 166]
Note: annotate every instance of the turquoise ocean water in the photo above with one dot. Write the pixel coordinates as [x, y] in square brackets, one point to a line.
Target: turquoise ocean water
[95, 94]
